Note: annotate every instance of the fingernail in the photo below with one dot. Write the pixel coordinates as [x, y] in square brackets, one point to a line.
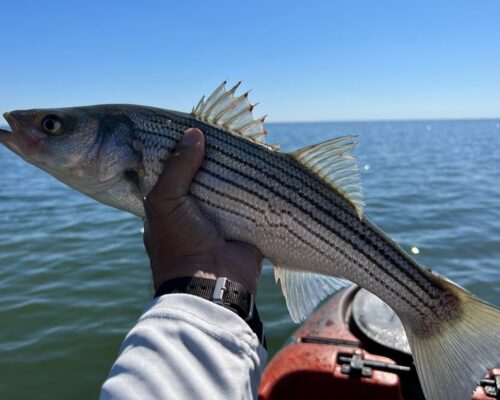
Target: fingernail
[190, 138]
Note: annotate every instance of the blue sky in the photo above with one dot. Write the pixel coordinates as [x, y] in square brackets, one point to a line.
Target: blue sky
[304, 61]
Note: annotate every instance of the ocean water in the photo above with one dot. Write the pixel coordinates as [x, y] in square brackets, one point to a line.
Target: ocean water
[74, 276]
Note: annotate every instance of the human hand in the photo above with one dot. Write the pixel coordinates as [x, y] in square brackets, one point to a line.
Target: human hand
[178, 238]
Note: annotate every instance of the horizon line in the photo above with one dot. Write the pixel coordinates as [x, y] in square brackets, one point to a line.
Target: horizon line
[324, 121]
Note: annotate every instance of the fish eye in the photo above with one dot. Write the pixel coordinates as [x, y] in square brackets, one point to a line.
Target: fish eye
[52, 125]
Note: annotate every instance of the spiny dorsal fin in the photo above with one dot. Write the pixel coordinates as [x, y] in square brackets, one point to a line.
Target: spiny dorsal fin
[232, 113]
[330, 162]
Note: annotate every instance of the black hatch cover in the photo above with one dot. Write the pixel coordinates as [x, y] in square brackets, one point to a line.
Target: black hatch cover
[378, 322]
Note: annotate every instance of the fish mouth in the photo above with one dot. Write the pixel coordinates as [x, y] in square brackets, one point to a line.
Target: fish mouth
[11, 122]
[6, 136]
[13, 139]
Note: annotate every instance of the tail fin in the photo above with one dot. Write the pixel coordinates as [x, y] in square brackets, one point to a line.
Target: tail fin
[451, 364]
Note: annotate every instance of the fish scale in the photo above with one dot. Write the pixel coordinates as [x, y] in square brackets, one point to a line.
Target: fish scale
[303, 210]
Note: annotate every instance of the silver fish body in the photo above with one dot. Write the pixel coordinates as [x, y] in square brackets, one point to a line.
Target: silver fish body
[309, 230]
[271, 201]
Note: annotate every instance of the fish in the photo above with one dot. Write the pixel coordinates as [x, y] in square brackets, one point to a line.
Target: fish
[302, 209]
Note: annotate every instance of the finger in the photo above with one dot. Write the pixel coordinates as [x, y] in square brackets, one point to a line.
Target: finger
[180, 168]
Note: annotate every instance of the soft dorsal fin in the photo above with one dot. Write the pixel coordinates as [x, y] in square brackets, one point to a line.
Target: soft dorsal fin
[232, 113]
[329, 160]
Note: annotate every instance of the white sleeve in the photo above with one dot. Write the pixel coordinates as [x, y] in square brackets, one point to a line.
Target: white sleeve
[185, 347]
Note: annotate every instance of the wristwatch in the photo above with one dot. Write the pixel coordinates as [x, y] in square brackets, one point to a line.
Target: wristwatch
[222, 291]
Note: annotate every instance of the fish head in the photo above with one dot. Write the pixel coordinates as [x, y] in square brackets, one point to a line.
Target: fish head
[87, 148]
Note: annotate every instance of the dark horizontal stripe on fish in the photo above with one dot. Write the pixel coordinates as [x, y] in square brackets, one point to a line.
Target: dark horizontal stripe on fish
[313, 233]
[225, 195]
[228, 210]
[300, 239]
[233, 183]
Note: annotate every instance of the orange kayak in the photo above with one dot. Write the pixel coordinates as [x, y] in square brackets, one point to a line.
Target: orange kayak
[352, 348]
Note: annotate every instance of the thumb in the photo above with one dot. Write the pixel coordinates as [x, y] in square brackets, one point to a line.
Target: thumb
[180, 168]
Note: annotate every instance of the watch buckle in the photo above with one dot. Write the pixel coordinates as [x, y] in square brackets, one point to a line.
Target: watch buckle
[219, 289]
[218, 295]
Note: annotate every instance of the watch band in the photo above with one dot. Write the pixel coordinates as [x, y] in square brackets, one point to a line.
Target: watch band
[222, 291]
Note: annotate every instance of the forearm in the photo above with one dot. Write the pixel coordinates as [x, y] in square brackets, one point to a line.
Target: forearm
[186, 347]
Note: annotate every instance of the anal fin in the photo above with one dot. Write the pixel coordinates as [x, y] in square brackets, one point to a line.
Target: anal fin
[303, 291]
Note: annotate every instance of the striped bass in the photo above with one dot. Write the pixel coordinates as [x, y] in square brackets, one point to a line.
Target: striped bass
[303, 210]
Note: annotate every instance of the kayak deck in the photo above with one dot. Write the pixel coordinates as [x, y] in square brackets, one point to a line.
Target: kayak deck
[330, 357]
